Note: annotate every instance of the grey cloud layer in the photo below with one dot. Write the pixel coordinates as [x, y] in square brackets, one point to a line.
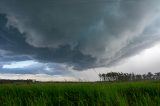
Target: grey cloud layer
[83, 34]
[14, 48]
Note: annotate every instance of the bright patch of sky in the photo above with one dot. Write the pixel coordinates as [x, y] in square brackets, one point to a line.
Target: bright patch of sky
[38, 77]
[146, 61]
[20, 64]
[142, 63]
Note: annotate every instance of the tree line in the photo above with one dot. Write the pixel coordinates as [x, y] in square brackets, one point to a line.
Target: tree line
[119, 76]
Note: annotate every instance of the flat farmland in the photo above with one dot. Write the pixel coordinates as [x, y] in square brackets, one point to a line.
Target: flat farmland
[145, 93]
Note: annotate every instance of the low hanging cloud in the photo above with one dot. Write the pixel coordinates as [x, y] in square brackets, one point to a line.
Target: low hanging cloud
[83, 34]
[15, 48]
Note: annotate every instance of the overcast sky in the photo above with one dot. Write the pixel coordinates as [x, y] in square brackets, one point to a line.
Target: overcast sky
[77, 39]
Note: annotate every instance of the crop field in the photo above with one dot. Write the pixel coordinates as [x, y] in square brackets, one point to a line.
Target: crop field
[81, 94]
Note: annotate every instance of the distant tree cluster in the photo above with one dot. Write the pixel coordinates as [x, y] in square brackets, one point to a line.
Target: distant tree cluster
[116, 76]
[3, 81]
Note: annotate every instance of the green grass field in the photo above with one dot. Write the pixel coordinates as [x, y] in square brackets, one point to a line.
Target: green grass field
[81, 94]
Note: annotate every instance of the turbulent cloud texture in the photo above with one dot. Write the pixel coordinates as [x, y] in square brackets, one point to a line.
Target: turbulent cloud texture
[80, 33]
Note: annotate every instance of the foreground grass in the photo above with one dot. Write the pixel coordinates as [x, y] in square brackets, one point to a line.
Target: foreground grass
[81, 94]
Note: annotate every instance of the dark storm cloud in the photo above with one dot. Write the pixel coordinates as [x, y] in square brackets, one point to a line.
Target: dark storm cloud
[13, 41]
[82, 34]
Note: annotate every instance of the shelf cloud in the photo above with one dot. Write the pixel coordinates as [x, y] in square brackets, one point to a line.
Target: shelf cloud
[81, 34]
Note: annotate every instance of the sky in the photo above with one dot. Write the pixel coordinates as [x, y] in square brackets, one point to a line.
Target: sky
[74, 40]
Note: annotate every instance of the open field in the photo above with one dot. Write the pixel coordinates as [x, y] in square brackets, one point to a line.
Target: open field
[81, 94]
